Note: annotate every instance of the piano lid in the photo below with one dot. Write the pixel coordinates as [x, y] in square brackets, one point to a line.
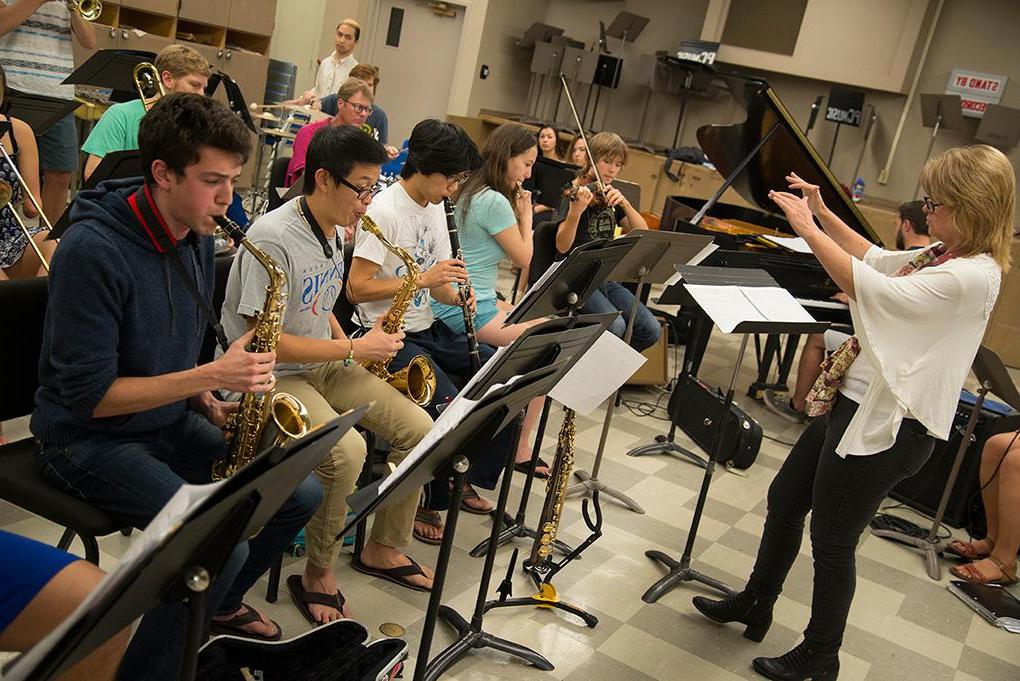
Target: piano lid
[786, 150]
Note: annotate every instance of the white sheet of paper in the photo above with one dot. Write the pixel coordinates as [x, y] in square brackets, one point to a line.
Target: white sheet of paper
[727, 306]
[776, 304]
[532, 290]
[791, 243]
[598, 374]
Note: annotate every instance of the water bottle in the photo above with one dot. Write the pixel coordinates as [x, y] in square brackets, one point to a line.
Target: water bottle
[857, 191]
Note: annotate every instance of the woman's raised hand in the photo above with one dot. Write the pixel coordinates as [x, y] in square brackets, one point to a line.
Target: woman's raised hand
[810, 191]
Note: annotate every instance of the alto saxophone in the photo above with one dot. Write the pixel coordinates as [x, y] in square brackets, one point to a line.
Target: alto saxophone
[418, 379]
[263, 419]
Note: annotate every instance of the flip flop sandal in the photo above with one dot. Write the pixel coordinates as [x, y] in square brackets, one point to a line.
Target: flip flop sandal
[965, 550]
[397, 575]
[302, 599]
[469, 495]
[232, 626]
[523, 468]
[969, 573]
[432, 518]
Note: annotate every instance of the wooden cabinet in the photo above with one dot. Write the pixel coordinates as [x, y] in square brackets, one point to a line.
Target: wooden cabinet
[165, 7]
[252, 16]
[130, 40]
[204, 11]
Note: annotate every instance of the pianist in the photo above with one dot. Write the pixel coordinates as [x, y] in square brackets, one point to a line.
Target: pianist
[886, 394]
[911, 234]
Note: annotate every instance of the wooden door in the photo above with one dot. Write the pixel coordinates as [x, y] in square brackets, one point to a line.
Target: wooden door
[204, 11]
[164, 7]
[252, 16]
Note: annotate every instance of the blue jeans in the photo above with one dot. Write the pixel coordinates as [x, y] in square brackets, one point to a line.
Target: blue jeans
[132, 476]
[613, 297]
[449, 355]
[842, 495]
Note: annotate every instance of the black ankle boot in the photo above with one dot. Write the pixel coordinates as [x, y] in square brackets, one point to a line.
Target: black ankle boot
[799, 664]
[744, 607]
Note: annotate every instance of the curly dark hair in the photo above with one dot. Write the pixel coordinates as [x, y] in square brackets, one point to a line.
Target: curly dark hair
[180, 124]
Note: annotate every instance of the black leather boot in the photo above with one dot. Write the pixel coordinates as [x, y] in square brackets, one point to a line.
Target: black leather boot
[744, 607]
[799, 664]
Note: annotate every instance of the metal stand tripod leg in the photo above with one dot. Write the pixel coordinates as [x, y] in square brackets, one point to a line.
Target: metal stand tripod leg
[680, 570]
[931, 545]
[515, 527]
[590, 482]
[471, 635]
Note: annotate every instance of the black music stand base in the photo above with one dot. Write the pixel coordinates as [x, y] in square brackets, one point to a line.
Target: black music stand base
[931, 546]
[512, 529]
[679, 572]
[665, 444]
[589, 485]
[539, 601]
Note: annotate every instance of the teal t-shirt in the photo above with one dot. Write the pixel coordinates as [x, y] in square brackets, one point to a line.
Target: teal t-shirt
[489, 213]
[116, 130]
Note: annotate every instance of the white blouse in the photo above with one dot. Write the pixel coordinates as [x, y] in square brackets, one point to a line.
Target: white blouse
[332, 73]
[919, 335]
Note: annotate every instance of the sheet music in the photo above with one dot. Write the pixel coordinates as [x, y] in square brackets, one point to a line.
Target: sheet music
[537, 286]
[728, 306]
[597, 374]
[791, 243]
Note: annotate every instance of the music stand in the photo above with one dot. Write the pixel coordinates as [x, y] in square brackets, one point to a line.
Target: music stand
[111, 69]
[1000, 127]
[992, 374]
[181, 553]
[579, 66]
[235, 98]
[651, 260]
[626, 27]
[938, 112]
[537, 33]
[114, 166]
[869, 127]
[681, 570]
[39, 111]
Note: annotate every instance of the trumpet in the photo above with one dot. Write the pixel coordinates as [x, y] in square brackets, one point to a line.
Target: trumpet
[148, 83]
[7, 194]
[89, 10]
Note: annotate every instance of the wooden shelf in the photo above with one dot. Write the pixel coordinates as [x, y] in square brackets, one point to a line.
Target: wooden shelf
[258, 44]
[203, 34]
[154, 24]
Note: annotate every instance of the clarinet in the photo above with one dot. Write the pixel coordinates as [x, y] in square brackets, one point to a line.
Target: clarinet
[464, 290]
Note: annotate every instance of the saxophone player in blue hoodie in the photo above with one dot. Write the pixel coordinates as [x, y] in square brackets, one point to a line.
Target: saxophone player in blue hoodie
[124, 414]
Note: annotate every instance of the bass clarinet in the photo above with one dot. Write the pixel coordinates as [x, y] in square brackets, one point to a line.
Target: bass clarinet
[464, 290]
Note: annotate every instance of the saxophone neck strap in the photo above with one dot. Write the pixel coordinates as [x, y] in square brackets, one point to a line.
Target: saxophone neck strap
[152, 221]
[313, 224]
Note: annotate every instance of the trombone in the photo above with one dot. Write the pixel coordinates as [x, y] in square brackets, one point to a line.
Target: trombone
[89, 10]
[148, 83]
[7, 193]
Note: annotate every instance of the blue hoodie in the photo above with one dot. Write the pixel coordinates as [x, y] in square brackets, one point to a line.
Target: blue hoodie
[117, 308]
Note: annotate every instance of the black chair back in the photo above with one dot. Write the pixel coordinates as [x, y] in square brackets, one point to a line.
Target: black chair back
[343, 309]
[277, 177]
[544, 250]
[221, 266]
[24, 301]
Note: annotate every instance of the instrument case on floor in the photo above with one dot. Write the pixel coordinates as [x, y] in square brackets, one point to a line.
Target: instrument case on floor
[694, 408]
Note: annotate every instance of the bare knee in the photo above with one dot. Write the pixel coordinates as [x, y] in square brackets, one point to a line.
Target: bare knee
[995, 447]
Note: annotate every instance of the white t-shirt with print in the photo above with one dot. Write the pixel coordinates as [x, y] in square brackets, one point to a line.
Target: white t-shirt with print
[419, 230]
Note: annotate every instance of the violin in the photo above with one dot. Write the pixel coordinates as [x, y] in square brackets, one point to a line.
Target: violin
[598, 196]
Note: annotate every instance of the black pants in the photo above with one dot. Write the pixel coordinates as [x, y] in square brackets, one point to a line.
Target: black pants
[842, 495]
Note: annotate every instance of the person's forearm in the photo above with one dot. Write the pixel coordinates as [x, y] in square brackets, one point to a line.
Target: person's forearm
[838, 263]
[447, 294]
[846, 238]
[133, 394]
[293, 348]
[634, 218]
[13, 16]
[84, 31]
[372, 289]
[566, 231]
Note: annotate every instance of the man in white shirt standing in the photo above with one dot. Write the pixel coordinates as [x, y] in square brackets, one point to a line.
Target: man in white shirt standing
[336, 68]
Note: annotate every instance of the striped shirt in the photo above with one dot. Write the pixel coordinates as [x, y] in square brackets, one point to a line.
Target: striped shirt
[37, 54]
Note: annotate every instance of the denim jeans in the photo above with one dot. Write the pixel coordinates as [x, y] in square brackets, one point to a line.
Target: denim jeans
[132, 476]
[449, 355]
[842, 495]
[613, 297]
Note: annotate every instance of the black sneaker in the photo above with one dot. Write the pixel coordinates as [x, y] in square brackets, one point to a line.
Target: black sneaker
[779, 403]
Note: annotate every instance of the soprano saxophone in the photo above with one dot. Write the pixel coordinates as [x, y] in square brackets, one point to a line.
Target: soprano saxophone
[555, 496]
[418, 379]
[263, 419]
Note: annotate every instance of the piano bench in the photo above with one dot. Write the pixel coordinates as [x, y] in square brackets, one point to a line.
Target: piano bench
[22, 484]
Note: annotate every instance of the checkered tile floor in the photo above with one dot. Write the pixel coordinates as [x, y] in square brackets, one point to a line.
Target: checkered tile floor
[902, 626]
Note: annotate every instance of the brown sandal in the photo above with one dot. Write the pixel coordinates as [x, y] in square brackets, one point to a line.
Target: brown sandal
[431, 518]
[969, 573]
[470, 494]
[966, 550]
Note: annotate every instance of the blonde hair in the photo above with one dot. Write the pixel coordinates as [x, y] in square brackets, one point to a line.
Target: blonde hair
[180, 61]
[978, 183]
[605, 146]
[352, 86]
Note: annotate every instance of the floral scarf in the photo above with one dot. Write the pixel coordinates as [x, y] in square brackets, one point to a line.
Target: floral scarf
[822, 396]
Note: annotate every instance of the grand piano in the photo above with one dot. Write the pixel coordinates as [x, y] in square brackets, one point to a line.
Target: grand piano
[755, 156]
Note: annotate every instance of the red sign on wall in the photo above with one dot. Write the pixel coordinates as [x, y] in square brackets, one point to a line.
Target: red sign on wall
[976, 90]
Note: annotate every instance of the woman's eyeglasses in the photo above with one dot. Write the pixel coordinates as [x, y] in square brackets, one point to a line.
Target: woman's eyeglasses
[930, 205]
